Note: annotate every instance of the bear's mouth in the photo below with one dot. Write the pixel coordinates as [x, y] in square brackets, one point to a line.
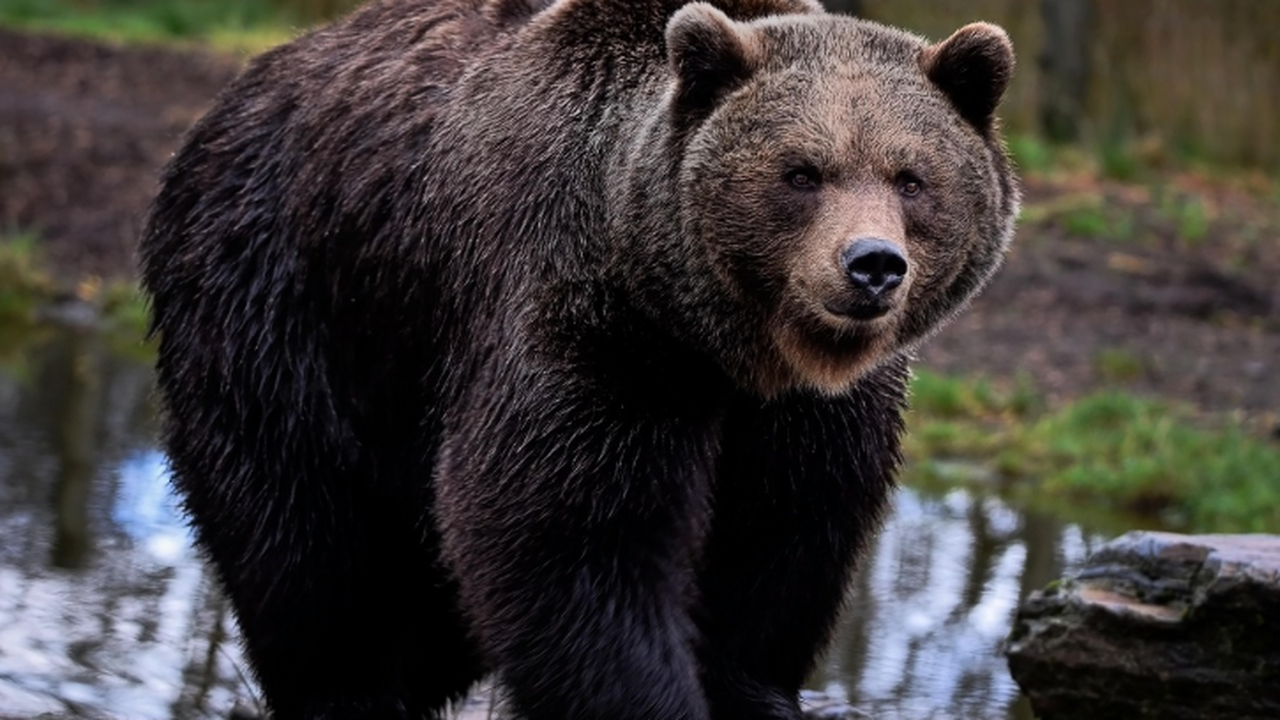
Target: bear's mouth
[859, 310]
[830, 350]
[844, 325]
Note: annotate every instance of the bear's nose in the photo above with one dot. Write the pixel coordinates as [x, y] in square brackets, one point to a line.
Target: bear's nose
[874, 266]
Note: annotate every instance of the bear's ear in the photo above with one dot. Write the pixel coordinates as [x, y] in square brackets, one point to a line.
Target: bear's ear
[973, 68]
[710, 54]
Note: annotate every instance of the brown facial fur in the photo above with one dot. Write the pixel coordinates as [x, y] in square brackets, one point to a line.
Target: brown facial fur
[862, 114]
[816, 341]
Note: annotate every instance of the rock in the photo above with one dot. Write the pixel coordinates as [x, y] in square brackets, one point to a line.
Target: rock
[1157, 625]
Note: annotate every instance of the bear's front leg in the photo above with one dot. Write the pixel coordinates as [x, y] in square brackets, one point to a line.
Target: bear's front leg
[803, 484]
[571, 516]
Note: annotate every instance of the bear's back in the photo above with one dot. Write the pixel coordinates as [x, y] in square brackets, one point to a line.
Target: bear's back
[316, 144]
[288, 197]
[344, 111]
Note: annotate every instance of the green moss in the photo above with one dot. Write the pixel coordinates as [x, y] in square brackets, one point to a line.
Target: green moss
[1111, 451]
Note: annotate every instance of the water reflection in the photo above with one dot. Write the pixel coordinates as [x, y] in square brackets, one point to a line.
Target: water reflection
[106, 609]
[933, 605]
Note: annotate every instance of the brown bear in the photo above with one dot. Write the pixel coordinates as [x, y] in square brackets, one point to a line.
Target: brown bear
[562, 341]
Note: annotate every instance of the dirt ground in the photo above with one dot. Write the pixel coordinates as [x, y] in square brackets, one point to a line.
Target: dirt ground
[84, 129]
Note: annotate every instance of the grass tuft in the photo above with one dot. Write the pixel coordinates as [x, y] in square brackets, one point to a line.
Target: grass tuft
[1031, 154]
[1119, 365]
[1112, 451]
[240, 26]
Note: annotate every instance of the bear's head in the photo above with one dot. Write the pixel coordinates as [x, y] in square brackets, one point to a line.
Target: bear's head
[844, 181]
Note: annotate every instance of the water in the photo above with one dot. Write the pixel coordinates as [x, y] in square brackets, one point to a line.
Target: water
[935, 601]
[105, 609]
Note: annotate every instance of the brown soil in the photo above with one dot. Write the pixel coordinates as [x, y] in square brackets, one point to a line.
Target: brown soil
[1153, 314]
[84, 129]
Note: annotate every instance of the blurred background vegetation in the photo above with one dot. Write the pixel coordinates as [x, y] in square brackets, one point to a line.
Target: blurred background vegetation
[1144, 83]
[1148, 82]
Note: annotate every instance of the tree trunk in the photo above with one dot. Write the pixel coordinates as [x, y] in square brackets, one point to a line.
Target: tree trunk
[1064, 66]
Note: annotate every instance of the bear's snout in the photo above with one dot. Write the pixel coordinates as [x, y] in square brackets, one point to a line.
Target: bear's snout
[875, 268]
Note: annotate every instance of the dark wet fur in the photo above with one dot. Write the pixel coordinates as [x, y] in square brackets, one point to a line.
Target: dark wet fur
[431, 414]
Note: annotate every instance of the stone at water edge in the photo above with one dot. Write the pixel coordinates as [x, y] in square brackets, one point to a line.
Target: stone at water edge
[1160, 626]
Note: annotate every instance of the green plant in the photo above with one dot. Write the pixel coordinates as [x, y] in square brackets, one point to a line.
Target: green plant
[1189, 214]
[25, 285]
[1119, 365]
[1118, 161]
[1193, 220]
[126, 316]
[1023, 399]
[1093, 218]
[238, 25]
[23, 281]
[1031, 154]
[942, 397]
[1086, 221]
[1110, 451]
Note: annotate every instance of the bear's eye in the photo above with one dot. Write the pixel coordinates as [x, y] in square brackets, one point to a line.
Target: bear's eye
[908, 184]
[804, 179]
